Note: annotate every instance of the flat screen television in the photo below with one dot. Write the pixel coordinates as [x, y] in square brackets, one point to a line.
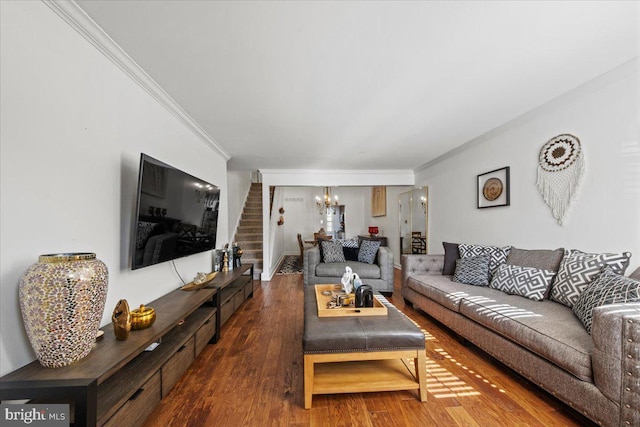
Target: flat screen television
[176, 214]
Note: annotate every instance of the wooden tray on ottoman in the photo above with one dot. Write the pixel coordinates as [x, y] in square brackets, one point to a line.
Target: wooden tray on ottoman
[378, 308]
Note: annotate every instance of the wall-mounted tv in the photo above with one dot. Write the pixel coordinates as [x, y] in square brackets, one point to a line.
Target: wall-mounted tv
[176, 214]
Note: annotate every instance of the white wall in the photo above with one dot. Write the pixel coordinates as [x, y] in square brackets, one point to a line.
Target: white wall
[73, 128]
[301, 214]
[238, 185]
[320, 178]
[605, 217]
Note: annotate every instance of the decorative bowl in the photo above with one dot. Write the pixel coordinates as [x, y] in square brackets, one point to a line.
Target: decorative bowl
[142, 318]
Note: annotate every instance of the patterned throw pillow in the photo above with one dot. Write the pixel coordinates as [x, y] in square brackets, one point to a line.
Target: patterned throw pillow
[528, 282]
[608, 288]
[497, 255]
[332, 251]
[578, 269]
[472, 270]
[368, 251]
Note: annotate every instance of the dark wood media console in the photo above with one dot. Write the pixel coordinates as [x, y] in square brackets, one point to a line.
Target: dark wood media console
[119, 383]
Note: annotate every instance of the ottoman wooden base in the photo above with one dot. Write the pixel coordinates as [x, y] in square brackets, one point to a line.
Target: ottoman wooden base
[331, 373]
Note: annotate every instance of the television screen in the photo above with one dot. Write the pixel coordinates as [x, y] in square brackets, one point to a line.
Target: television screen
[176, 214]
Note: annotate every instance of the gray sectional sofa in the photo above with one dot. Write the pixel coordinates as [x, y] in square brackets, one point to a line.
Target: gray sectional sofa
[597, 374]
[378, 275]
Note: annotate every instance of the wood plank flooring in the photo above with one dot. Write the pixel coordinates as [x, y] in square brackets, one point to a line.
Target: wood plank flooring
[253, 377]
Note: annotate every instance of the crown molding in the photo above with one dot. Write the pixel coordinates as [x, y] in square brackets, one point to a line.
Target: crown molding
[78, 19]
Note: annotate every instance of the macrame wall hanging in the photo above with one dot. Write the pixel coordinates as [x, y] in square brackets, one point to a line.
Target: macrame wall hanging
[560, 171]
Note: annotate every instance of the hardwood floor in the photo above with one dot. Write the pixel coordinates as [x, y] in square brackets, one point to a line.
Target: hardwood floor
[253, 377]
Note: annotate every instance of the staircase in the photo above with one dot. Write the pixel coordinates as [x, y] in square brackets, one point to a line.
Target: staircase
[249, 232]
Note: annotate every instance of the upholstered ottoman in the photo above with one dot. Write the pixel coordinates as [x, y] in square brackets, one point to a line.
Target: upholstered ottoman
[361, 354]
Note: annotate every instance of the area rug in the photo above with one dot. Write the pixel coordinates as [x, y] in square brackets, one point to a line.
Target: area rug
[290, 265]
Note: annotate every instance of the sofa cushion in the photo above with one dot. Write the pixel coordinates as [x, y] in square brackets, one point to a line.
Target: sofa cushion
[336, 269]
[332, 251]
[368, 251]
[497, 255]
[451, 255]
[578, 269]
[472, 270]
[544, 327]
[608, 288]
[528, 282]
[440, 289]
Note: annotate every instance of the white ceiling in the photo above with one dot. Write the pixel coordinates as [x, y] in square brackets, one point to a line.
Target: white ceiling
[364, 85]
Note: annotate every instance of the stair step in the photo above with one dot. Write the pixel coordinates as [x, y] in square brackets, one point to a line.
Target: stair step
[249, 254]
[251, 211]
[252, 216]
[249, 230]
[248, 237]
[248, 245]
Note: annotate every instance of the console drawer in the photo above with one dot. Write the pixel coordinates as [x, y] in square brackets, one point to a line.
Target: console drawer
[248, 289]
[177, 365]
[226, 311]
[204, 334]
[238, 299]
[139, 406]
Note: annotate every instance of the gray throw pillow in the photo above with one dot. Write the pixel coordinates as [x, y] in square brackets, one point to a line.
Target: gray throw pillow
[368, 251]
[332, 251]
[608, 288]
[544, 259]
[528, 282]
[578, 269]
[472, 270]
[451, 255]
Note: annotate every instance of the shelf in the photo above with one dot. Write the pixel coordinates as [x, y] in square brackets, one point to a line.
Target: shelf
[112, 393]
[102, 384]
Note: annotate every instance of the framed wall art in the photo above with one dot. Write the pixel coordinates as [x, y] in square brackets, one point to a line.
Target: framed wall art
[493, 188]
[378, 201]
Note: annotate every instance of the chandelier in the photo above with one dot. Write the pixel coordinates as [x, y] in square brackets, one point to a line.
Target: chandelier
[325, 205]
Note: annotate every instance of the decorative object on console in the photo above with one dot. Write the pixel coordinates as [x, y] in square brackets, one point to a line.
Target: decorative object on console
[493, 188]
[373, 231]
[560, 171]
[237, 254]
[225, 262]
[121, 319]
[281, 211]
[378, 201]
[142, 318]
[62, 299]
[281, 220]
[200, 281]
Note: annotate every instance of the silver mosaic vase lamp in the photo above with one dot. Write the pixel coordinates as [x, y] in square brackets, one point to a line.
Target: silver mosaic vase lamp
[62, 299]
